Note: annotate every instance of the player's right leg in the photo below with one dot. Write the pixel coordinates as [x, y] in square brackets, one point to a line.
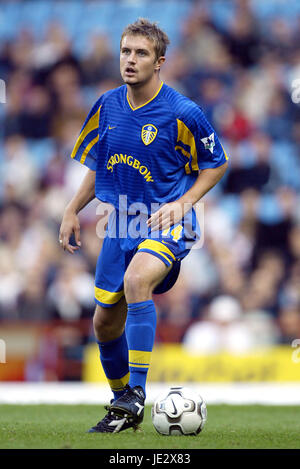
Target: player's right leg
[109, 326]
[109, 329]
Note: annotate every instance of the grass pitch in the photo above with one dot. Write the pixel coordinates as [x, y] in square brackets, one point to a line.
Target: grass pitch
[230, 427]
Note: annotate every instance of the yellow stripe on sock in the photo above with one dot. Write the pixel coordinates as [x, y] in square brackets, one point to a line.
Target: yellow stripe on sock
[139, 358]
[139, 366]
[119, 383]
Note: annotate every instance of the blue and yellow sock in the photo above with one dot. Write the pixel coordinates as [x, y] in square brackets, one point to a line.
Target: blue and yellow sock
[114, 359]
[140, 332]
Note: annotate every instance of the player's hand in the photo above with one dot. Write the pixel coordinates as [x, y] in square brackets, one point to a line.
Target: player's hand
[70, 224]
[166, 216]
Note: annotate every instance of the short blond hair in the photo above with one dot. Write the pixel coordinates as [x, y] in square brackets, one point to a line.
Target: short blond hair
[143, 27]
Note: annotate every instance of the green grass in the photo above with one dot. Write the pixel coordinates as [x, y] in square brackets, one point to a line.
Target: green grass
[64, 426]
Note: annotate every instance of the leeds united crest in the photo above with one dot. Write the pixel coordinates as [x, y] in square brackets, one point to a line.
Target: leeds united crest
[149, 132]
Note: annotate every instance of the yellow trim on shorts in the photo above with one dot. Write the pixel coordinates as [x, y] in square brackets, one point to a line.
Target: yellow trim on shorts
[107, 297]
[157, 246]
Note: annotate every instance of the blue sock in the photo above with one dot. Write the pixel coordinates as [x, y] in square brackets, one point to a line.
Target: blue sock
[114, 359]
[140, 332]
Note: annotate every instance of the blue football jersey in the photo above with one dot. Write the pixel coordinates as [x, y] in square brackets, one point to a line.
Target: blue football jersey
[152, 153]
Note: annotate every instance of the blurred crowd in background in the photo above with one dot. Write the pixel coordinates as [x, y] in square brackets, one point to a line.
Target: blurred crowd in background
[237, 60]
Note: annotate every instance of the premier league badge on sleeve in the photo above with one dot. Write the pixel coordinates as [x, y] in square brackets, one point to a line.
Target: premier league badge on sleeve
[149, 132]
[209, 142]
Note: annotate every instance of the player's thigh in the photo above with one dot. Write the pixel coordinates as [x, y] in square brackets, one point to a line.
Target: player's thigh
[145, 271]
[111, 318]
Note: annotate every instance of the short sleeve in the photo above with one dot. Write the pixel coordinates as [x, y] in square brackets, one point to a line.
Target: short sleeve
[85, 149]
[199, 142]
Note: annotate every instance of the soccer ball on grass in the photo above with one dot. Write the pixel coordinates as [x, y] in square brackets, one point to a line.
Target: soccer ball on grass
[179, 411]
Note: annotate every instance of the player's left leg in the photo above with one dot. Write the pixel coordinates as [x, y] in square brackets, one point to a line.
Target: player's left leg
[143, 274]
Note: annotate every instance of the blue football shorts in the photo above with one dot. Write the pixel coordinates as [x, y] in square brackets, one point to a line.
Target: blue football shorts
[170, 246]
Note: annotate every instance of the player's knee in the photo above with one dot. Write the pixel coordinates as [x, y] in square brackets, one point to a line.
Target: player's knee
[134, 284]
[103, 323]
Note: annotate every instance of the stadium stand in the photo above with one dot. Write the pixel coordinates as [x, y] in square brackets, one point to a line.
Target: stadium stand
[238, 62]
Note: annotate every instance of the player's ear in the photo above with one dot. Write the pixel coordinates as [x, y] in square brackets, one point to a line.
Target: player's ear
[159, 62]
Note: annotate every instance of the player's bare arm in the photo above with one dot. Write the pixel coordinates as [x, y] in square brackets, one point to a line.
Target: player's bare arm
[70, 222]
[173, 212]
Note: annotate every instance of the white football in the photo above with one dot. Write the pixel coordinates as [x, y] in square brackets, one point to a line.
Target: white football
[179, 411]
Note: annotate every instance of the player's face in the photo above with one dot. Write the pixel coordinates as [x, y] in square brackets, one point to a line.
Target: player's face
[138, 61]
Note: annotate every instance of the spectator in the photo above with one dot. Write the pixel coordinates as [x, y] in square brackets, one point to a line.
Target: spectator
[239, 66]
[223, 330]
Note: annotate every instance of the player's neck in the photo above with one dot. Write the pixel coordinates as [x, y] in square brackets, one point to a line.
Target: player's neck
[139, 95]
